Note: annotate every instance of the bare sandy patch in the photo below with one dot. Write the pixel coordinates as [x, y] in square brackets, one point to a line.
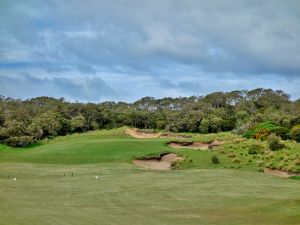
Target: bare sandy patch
[140, 134]
[196, 145]
[136, 133]
[279, 173]
[163, 162]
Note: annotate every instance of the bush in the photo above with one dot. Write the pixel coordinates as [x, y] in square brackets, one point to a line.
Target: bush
[215, 160]
[275, 142]
[291, 168]
[204, 126]
[295, 133]
[283, 133]
[236, 160]
[297, 162]
[240, 130]
[262, 134]
[260, 163]
[232, 155]
[254, 149]
[174, 165]
[263, 130]
[22, 141]
[221, 151]
[259, 169]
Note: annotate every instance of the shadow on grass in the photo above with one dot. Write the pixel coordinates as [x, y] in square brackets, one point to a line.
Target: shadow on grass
[295, 177]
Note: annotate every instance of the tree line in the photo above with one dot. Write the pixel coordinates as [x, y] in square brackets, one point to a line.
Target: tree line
[24, 122]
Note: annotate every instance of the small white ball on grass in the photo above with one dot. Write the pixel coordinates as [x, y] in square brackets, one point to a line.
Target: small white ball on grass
[15, 179]
[96, 177]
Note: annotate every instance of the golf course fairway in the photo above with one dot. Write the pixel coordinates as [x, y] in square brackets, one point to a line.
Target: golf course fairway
[87, 179]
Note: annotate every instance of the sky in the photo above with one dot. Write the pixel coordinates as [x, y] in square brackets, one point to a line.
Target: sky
[123, 50]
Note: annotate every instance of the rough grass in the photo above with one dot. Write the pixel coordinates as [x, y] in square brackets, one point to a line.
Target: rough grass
[198, 193]
[286, 159]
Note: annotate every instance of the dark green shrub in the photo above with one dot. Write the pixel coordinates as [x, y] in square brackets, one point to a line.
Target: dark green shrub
[254, 149]
[259, 169]
[297, 162]
[232, 155]
[215, 159]
[221, 151]
[275, 142]
[174, 165]
[291, 168]
[22, 141]
[283, 132]
[241, 130]
[263, 130]
[295, 133]
[262, 134]
[236, 160]
[260, 163]
[296, 170]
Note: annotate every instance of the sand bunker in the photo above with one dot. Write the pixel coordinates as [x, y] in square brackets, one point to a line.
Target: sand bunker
[153, 134]
[279, 173]
[195, 144]
[141, 134]
[163, 162]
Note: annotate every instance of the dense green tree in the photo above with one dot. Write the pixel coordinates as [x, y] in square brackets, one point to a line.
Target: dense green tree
[78, 124]
[295, 133]
[36, 131]
[204, 126]
[22, 122]
[215, 124]
[12, 128]
[50, 123]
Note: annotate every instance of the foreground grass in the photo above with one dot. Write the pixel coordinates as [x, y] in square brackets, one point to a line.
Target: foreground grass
[125, 194]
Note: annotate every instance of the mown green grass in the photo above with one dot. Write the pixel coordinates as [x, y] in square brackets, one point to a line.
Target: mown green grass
[92, 147]
[295, 177]
[198, 192]
[104, 147]
[125, 194]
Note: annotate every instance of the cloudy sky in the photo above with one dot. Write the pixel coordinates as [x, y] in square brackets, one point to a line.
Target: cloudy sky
[122, 50]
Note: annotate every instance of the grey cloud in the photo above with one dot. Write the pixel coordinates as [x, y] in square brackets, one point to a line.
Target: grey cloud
[79, 88]
[230, 82]
[214, 36]
[129, 87]
[164, 41]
